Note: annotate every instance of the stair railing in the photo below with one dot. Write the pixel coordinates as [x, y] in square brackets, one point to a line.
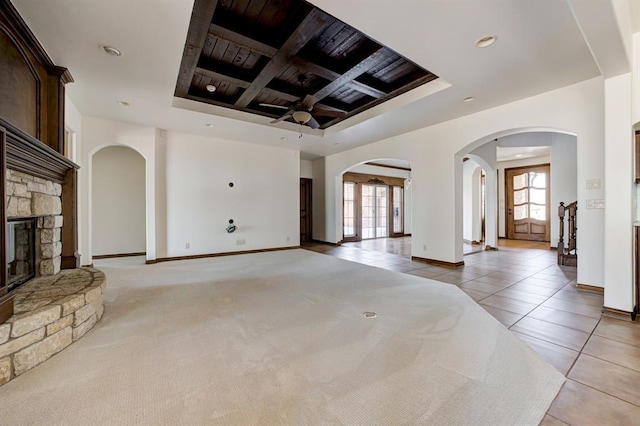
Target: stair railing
[567, 255]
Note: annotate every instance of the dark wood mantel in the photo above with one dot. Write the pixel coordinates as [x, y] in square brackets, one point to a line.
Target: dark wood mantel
[32, 105]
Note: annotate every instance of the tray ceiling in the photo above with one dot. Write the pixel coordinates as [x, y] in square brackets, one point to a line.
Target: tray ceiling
[274, 57]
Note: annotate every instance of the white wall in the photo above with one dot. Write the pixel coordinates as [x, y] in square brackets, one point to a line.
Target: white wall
[618, 190]
[318, 195]
[263, 202]
[118, 189]
[485, 156]
[564, 178]
[471, 201]
[98, 133]
[73, 122]
[188, 199]
[436, 155]
[306, 169]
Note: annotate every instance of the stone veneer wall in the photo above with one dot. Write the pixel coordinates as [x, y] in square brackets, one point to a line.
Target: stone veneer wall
[29, 196]
[51, 313]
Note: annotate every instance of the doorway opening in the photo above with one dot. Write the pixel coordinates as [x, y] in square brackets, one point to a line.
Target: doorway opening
[373, 207]
[305, 211]
[474, 206]
[118, 203]
[514, 149]
[376, 207]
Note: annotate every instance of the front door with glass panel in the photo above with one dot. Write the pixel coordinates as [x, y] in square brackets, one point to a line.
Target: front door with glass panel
[527, 192]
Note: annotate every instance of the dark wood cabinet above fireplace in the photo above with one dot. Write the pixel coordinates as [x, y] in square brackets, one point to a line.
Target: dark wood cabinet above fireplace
[32, 101]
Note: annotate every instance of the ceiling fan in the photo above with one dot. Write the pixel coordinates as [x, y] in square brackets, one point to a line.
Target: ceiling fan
[300, 110]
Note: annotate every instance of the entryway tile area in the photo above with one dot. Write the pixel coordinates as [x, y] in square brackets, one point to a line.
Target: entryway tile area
[522, 287]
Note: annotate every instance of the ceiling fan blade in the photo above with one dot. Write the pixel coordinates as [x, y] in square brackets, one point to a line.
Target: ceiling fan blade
[274, 106]
[309, 101]
[284, 117]
[313, 123]
[328, 113]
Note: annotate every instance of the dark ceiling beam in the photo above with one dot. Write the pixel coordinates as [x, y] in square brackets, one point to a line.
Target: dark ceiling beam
[416, 83]
[196, 36]
[244, 84]
[202, 97]
[311, 24]
[242, 41]
[279, 94]
[222, 77]
[366, 89]
[356, 71]
[303, 65]
[327, 74]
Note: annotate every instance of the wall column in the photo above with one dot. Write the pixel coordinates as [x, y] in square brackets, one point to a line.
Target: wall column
[618, 190]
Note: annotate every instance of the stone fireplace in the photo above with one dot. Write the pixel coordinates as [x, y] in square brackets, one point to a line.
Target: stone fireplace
[39, 199]
[46, 300]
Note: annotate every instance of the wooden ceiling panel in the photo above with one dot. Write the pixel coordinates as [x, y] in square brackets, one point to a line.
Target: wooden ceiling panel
[288, 53]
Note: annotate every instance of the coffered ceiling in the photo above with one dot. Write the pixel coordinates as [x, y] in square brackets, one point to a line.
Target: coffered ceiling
[542, 45]
[276, 57]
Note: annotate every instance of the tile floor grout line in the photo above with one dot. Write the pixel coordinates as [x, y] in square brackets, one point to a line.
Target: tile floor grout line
[617, 341]
[601, 391]
[582, 348]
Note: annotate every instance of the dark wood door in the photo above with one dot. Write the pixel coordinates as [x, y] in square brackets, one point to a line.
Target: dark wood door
[305, 210]
[527, 193]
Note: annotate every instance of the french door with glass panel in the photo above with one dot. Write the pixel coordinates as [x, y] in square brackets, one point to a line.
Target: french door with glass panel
[527, 193]
[372, 211]
[375, 210]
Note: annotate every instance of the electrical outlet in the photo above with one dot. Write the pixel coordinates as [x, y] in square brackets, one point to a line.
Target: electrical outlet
[288, 239]
[240, 242]
[187, 245]
[424, 247]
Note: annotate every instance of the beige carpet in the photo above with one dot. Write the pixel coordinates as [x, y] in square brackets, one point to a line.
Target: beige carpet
[280, 338]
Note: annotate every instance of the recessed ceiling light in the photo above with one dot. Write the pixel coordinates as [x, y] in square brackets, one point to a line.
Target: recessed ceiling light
[486, 41]
[111, 51]
[211, 88]
[209, 125]
[518, 155]
[124, 103]
[469, 99]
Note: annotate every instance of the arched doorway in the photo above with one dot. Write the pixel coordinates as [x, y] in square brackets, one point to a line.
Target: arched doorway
[517, 150]
[118, 202]
[376, 206]
[473, 194]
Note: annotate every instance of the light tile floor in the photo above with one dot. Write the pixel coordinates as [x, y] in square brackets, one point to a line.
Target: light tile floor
[522, 287]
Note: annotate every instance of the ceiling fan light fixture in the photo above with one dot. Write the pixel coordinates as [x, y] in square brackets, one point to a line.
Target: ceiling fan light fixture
[301, 117]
